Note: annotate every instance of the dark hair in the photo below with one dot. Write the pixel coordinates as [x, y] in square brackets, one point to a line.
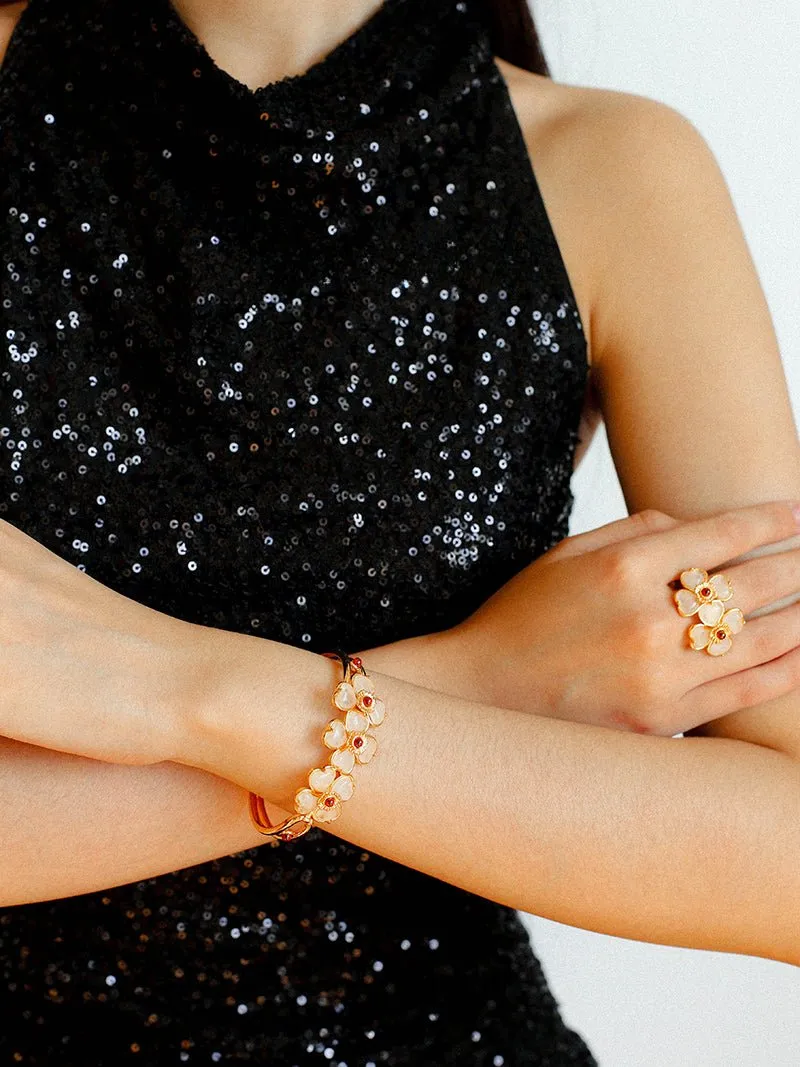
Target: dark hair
[514, 35]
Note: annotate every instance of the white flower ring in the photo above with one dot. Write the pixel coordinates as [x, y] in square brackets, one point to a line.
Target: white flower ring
[699, 589]
[714, 632]
[706, 597]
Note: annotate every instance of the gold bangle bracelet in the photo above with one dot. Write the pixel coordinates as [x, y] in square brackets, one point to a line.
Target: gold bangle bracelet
[351, 741]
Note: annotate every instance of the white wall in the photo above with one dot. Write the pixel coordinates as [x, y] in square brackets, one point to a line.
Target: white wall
[733, 70]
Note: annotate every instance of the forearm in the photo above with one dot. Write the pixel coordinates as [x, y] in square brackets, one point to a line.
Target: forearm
[453, 662]
[775, 724]
[690, 842]
[70, 825]
[447, 661]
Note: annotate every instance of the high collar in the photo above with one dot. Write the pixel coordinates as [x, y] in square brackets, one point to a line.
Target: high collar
[403, 46]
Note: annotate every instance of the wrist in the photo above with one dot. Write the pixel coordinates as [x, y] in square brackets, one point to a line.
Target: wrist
[452, 661]
[256, 712]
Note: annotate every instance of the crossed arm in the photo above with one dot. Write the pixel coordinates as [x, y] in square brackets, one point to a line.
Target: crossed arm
[687, 842]
[691, 842]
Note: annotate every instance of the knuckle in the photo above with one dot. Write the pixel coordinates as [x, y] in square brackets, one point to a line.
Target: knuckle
[623, 564]
[652, 520]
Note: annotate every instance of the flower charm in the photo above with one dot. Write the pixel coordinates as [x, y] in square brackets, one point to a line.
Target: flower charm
[322, 801]
[699, 591]
[713, 633]
[351, 742]
[359, 693]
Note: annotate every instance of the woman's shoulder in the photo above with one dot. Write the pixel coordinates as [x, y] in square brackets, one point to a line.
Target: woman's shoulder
[612, 139]
[9, 16]
[602, 157]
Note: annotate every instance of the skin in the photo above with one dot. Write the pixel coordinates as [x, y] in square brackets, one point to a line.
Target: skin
[638, 836]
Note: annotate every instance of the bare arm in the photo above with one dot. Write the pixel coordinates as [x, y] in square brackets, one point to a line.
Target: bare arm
[71, 825]
[687, 842]
[681, 338]
[9, 16]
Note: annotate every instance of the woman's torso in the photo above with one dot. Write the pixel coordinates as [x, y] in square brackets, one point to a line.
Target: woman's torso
[304, 363]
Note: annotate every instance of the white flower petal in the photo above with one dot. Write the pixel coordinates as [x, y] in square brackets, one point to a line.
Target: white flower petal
[377, 712]
[344, 696]
[699, 635]
[366, 750]
[711, 612]
[305, 801]
[320, 778]
[356, 721]
[734, 620]
[721, 586]
[686, 602]
[336, 734]
[718, 648]
[693, 577]
[343, 787]
[343, 759]
[362, 682]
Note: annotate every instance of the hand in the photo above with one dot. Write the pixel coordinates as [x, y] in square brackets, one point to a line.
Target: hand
[84, 669]
[590, 631]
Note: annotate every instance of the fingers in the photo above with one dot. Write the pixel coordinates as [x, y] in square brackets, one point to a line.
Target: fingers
[762, 639]
[713, 540]
[641, 522]
[765, 579]
[745, 689]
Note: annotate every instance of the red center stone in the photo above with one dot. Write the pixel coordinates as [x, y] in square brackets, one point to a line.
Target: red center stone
[366, 700]
[358, 742]
[329, 802]
[356, 660]
[705, 592]
[720, 634]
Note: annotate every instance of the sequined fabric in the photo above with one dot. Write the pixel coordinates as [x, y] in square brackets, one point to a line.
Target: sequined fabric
[303, 362]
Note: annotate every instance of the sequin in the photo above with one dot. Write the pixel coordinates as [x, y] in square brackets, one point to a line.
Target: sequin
[303, 362]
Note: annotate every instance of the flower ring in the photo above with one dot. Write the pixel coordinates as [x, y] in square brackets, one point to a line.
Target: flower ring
[715, 637]
[705, 596]
[699, 589]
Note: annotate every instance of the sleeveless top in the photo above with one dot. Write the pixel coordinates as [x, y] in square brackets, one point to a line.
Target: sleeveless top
[302, 362]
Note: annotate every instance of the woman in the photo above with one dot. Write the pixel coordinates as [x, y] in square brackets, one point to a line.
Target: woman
[296, 362]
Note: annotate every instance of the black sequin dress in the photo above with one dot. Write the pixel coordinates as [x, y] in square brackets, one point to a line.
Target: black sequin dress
[303, 362]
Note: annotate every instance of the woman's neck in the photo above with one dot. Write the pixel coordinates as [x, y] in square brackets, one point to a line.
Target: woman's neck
[262, 41]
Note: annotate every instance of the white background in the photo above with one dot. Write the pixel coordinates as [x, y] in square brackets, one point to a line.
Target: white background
[733, 70]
